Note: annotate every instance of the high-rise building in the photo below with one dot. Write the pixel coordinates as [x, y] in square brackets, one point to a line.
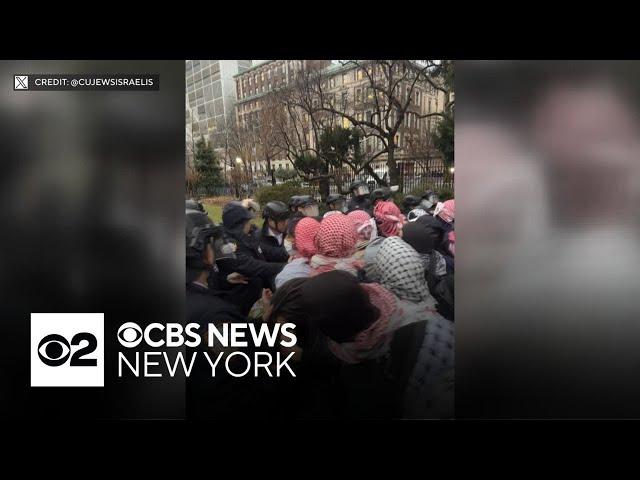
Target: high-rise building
[211, 95]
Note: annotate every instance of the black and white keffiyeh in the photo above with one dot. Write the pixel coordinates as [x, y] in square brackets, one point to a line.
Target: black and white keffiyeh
[401, 269]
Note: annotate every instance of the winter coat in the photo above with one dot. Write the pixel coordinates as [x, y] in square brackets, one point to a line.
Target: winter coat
[271, 249]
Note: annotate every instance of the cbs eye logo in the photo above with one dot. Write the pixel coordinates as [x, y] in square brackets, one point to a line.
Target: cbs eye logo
[54, 350]
[67, 350]
[130, 335]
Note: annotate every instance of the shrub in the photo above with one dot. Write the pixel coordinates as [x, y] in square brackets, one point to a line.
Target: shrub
[282, 192]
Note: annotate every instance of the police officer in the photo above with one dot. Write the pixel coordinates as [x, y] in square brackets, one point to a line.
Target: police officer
[292, 203]
[304, 206]
[336, 204]
[250, 259]
[222, 396]
[359, 197]
[380, 194]
[192, 204]
[205, 244]
[271, 236]
[409, 203]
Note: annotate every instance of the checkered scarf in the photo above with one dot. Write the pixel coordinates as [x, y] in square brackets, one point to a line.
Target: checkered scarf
[389, 218]
[321, 264]
[305, 236]
[401, 270]
[374, 341]
[446, 210]
[337, 237]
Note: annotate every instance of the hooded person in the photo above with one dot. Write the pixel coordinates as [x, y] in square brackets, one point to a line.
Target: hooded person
[389, 219]
[306, 230]
[366, 228]
[399, 268]
[336, 246]
[381, 352]
[445, 211]
[250, 260]
[427, 237]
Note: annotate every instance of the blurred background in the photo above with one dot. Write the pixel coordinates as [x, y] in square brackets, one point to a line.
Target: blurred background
[548, 182]
[91, 208]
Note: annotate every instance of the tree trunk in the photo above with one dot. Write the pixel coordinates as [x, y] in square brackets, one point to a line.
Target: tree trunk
[394, 172]
[272, 172]
[323, 186]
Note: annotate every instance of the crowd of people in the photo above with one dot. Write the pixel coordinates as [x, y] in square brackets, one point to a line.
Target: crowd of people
[368, 285]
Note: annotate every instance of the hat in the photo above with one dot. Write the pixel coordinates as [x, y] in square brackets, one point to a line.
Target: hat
[446, 210]
[389, 218]
[337, 237]
[338, 305]
[234, 214]
[424, 235]
[305, 235]
[401, 270]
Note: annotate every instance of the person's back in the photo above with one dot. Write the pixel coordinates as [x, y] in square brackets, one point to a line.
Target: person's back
[222, 396]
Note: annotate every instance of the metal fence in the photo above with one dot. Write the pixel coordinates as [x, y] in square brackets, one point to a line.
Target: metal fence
[417, 175]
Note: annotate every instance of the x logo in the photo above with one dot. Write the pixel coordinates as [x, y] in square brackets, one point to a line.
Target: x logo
[21, 82]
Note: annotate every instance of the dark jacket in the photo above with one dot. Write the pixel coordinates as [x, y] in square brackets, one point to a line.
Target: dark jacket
[242, 296]
[271, 249]
[222, 396]
[402, 383]
[250, 260]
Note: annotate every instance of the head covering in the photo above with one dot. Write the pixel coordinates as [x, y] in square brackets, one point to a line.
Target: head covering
[288, 302]
[374, 341]
[452, 242]
[400, 269]
[446, 210]
[424, 235]
[356, 317]
[305, 235]
[338, 305]
[332, 212]
[389, 218]
[416, 213]
[365, 227]
[337, 237]
[234, 215]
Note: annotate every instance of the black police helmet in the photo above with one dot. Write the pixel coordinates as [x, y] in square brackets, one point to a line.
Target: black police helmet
[410, 202]
[357, 183]
[383, 193]
[333, 198]
[192, 204]
[305, 201]
[199, 230]
[275, 210]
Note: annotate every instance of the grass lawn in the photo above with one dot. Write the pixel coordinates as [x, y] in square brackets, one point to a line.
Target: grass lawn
[215, 213]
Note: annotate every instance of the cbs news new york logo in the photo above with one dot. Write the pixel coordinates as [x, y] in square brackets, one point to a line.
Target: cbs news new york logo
[67, 350]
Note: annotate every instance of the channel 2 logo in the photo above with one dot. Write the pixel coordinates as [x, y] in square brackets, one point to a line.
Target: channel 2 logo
[67, 350]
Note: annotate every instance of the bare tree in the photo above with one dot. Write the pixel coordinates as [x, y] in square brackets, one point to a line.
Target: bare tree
[383, 102]
[266, 133]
